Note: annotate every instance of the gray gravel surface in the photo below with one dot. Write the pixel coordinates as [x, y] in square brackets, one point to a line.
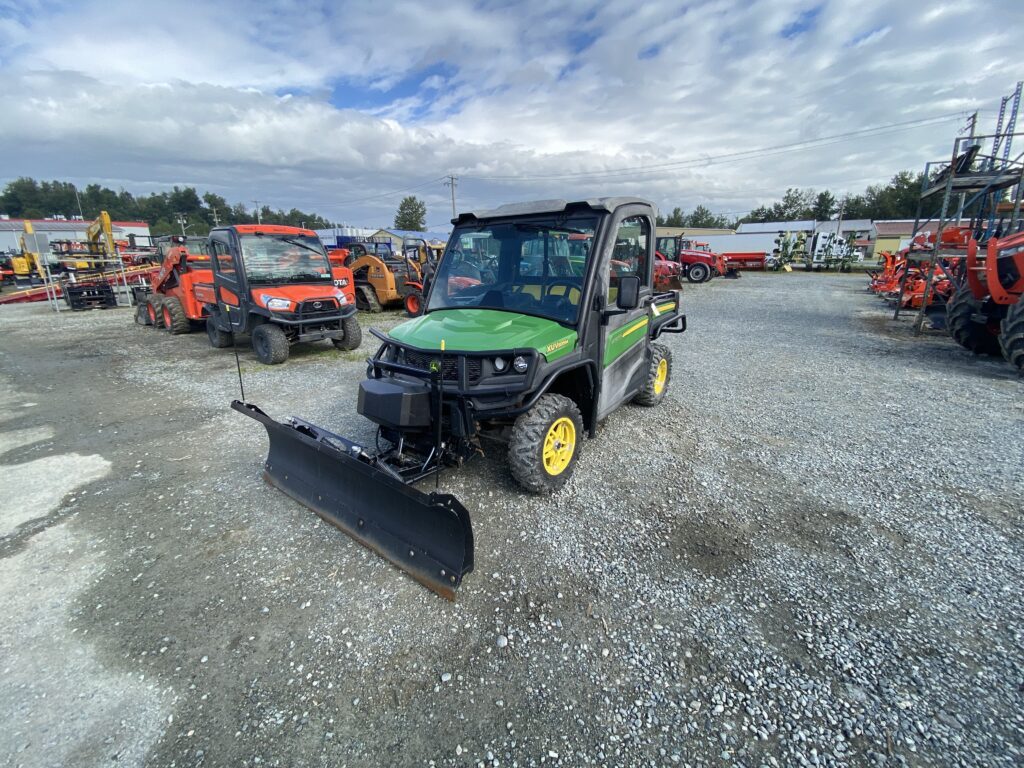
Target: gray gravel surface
[809, 554]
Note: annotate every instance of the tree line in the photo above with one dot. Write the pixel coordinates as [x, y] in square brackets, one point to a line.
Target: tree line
[30, 199]
[896, 199]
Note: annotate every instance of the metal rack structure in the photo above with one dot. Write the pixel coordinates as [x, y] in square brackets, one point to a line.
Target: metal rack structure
[973, 185]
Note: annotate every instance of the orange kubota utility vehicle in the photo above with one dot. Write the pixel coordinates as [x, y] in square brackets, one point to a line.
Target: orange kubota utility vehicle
[273, 282]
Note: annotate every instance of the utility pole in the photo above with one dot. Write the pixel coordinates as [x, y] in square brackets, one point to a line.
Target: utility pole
[259, 217]
[216, 219]
[452, 182]
[181, 221]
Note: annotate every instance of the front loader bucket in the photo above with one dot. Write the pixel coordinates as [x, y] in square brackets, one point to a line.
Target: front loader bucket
[427, 535]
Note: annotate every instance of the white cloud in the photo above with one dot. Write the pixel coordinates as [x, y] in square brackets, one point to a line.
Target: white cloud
[142, 95]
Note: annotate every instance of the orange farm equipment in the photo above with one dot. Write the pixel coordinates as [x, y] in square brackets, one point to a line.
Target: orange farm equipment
[274, 283]
[986, 313]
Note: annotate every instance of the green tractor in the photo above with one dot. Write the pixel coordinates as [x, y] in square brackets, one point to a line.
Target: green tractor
[538, 324]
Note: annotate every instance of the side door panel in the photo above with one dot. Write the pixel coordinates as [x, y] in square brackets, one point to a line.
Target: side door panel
[227, 282]
[623, 338]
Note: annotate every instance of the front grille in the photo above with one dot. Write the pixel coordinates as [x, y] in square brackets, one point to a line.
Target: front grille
[449, 366]
[308, 309]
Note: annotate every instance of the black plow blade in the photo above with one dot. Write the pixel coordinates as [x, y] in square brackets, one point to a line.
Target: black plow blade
[427, 535]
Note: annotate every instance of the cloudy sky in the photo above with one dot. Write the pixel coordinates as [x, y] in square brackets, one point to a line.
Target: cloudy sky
[343, 107]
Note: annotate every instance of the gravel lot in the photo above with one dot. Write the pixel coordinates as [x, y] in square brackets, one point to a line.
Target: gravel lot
[811, 553]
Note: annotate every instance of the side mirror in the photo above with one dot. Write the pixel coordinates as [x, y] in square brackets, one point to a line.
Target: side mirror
[629, 292]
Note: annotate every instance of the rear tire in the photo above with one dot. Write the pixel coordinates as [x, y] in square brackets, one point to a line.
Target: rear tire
[218, 339]
[270, 344]
[545, 444]
[175, 319]
[414, 304]
[698, 273]
[353, 335]
[969, 334]
[659, 374]
[154, 308]
[366, 299]
[1011, 335]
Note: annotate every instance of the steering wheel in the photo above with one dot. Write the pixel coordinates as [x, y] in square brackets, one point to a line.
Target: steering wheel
[570, 285]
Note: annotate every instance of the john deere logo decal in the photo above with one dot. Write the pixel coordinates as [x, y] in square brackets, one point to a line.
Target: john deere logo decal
[435, 366]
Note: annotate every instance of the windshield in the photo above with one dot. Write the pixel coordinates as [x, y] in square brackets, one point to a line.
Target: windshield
[285, 259]
[536, 267]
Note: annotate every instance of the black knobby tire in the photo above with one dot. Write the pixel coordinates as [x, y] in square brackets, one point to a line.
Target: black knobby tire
[142, 314]
[353, 334]
[270, 344]
[526, 446]
[155, 310]
[652, 394]
[413, 303]
[366, 299]
[1011, 335]
[175, 313]
[967, 332]
[698, 273]
[218, 339]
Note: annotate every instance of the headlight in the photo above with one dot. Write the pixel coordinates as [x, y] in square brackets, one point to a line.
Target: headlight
[520, 364]
[274, 303]
[500, 364]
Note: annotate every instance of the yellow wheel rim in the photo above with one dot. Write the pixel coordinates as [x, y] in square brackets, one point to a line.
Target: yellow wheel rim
[661, 376]
[559, 446]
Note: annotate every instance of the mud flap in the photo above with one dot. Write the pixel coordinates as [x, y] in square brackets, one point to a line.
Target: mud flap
[427, 535]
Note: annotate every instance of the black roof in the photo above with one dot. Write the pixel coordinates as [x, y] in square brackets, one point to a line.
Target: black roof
[608, 204]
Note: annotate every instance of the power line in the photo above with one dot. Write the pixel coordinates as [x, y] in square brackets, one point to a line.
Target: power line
[732, 156]
[393, 192]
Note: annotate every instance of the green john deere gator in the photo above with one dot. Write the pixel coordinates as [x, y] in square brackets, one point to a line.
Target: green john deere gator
[540, 321]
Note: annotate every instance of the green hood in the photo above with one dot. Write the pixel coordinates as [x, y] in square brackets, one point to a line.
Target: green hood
[485, 330]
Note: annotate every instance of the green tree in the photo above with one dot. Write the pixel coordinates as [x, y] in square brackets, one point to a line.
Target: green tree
[703, 217]
[411, 214]
[824, 206]
[676, 219]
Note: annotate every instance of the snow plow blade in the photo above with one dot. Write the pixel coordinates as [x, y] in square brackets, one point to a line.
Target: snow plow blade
[429, 536]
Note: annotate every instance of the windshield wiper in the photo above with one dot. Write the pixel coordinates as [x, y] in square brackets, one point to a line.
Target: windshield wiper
[302, 245]
[309, 276]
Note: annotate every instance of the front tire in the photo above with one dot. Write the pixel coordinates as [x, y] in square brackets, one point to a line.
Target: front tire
[270, 344]
[353, 335]
[1011, 335]
[175, 319]
[218, 339]
[659, 374]
[142, 314]
[414, 304]
[545, 444]
[967, 332]
[698, 273]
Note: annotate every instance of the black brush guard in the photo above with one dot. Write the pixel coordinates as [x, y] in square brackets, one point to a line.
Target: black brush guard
[427, 535]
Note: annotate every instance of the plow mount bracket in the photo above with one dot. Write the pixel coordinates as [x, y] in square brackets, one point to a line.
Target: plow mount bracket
[427, 535]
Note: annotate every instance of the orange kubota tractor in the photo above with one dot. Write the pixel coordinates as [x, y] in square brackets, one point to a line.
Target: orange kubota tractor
[985, 313]
[275, 283]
